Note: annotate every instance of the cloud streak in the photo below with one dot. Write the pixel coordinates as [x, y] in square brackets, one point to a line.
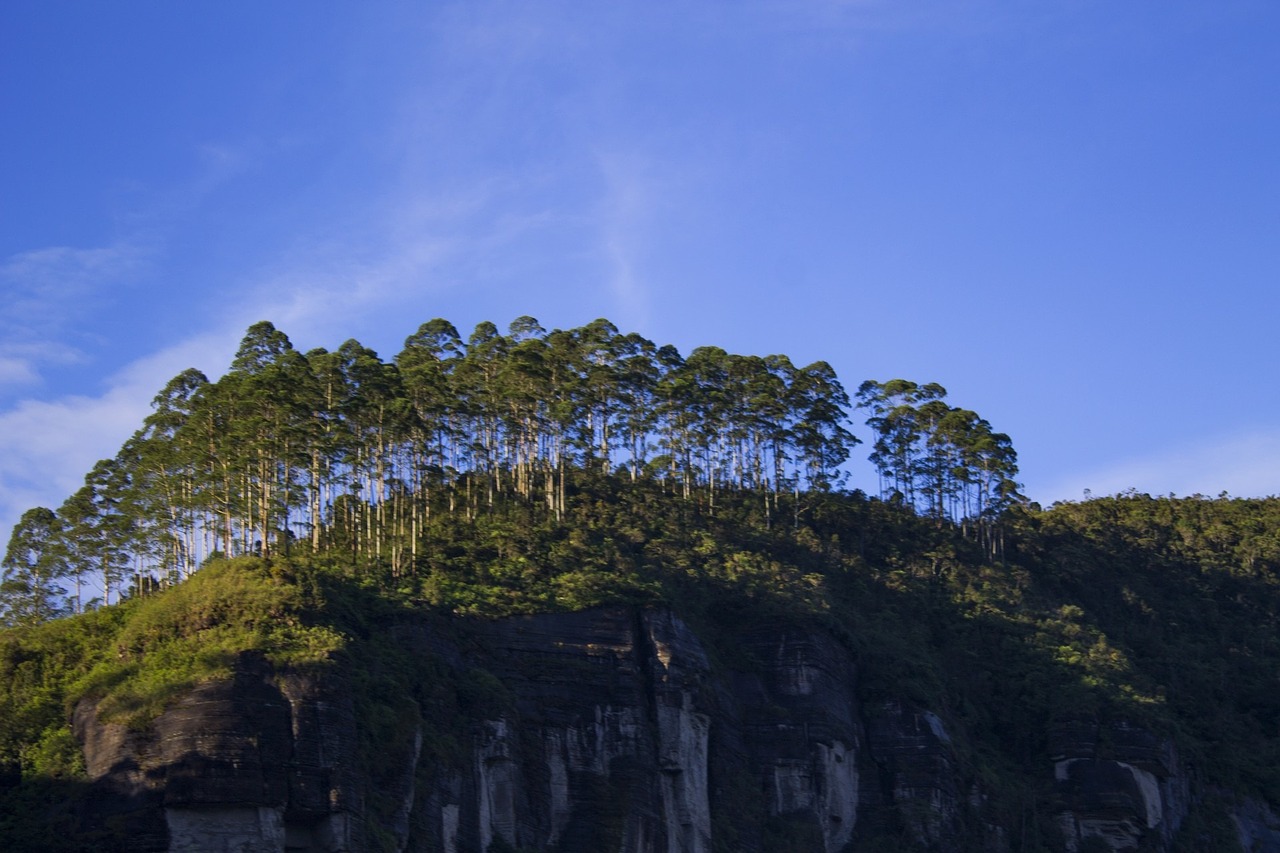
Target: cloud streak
[45, 292]
[46, 447]
[41, 285]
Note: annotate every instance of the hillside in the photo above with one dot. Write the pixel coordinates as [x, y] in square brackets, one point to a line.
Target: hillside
[1119, 615]
[573, 591]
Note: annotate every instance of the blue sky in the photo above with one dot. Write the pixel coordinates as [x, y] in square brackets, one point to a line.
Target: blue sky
[1067, 212]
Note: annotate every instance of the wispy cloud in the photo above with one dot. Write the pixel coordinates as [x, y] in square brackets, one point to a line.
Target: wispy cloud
[16, 370]
[44, 286]
[46, 292]
[318, 293]
[1242, 464]
[46, 447]
[631, 188]
[19, 362]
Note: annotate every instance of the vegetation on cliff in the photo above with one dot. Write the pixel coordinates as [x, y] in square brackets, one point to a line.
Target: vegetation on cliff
[951, 592]
[342, 453]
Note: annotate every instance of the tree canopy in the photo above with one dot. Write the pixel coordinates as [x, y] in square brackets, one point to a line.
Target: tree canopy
[343, 451]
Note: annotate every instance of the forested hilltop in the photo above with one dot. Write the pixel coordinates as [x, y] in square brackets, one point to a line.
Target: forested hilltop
[343, 452]
[1094, 676]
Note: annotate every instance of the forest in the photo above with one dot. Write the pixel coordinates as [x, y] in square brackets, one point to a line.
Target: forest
[341, 451]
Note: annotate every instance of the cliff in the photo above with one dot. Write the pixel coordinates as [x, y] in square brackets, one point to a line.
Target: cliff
[620, 730]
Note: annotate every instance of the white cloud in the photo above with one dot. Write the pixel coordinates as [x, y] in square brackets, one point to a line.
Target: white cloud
[46, 447]
[15, 370]
[42, 285]
[19, 363]
[1242, 464]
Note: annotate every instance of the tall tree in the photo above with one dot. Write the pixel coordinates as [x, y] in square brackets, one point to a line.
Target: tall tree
[163, 476]
[819, 403]
[427, 364]
[895, 419]
[32, 567]
[271, 430]
[945, 461]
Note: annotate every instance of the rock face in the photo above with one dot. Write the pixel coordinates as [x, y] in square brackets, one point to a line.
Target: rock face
[622, 733]
[258, 763]
[1119, 784]
[914, 749]
[1257, 826]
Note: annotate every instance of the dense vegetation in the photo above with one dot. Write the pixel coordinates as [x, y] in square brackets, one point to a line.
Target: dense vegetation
[949, 589]
[1159, 611]
[340, 452]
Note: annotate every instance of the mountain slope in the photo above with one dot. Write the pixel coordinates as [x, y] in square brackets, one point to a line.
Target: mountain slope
[842, 674]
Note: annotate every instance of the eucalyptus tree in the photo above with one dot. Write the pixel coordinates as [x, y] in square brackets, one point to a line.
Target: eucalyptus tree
[481, 405]
[639, 370]
[994, 466]
[895, 418]
[269, 431]
[79, 541]
[675, 417]
[330, 440]
[750, 381]
[599, 395]
[374, 409]
[111, 523]
[775, 417]
[217, 459]
[945, 461]
[352, 448]
[32, 566]
[819, 403]
[941, 433]
[427, 364]
[561, 393]
[163, 472]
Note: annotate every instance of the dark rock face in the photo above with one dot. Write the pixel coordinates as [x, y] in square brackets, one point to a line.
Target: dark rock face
[1119, 783]
[623, 735]
[1257, 826]
[801, 730]
[912, 747]
[243, 765]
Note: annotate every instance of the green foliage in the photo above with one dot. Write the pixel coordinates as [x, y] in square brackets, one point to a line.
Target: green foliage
[198, 630]
[31, 568]
[38, 670]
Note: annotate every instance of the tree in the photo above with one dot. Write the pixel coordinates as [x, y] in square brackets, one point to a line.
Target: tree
[599, 388]
[944, 461]
[375, 410]
[427, 365]
[164, 472]
[354, 451]
[819, 402]
[896, 420]
[270, 385]
[32, 566]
